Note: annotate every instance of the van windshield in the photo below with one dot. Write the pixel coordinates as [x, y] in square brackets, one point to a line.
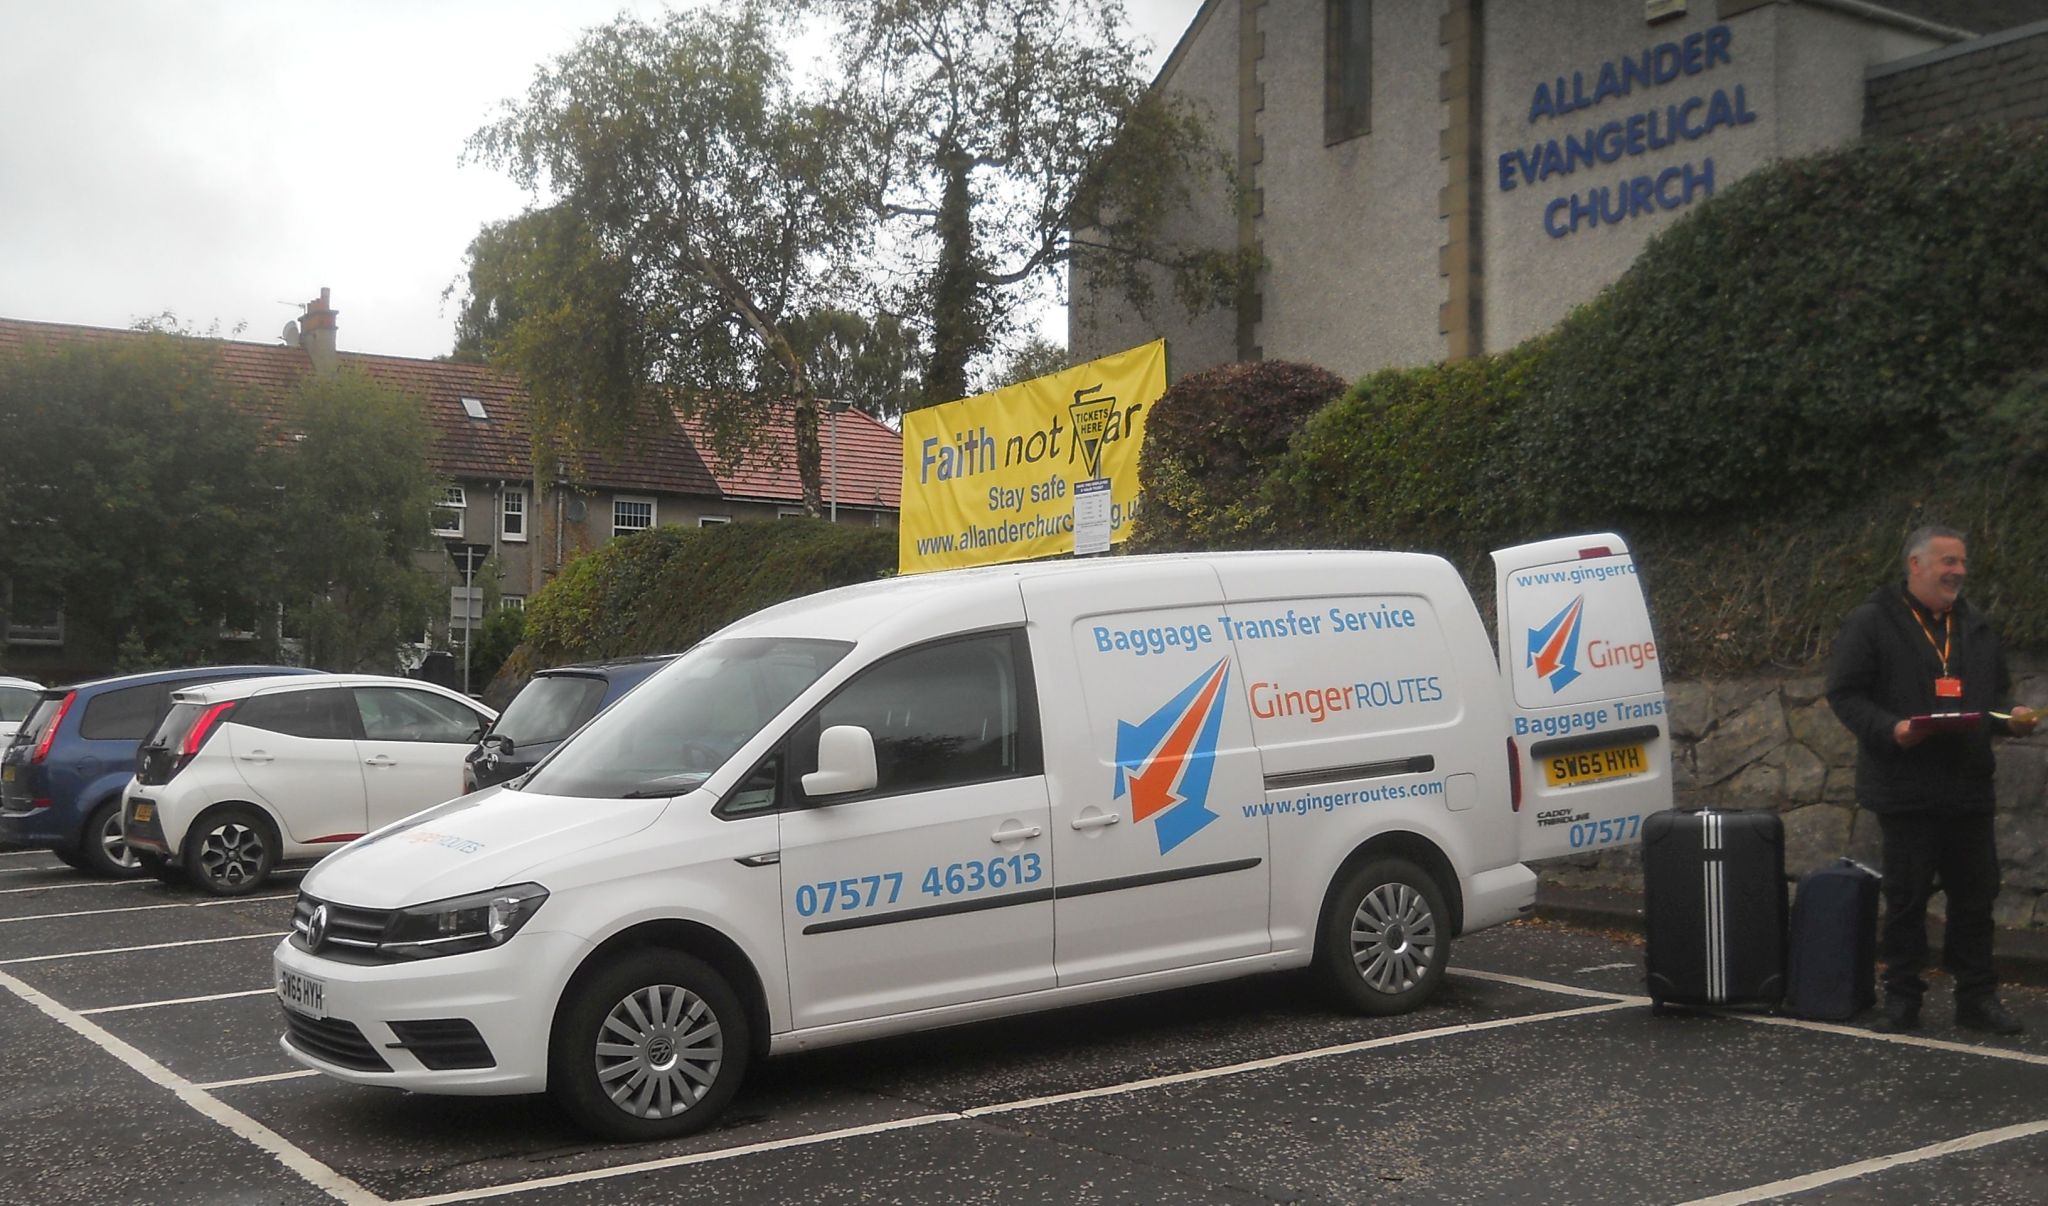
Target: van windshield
[671, 732]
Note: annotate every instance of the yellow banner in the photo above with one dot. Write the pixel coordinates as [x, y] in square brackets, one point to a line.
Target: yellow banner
[990, 478]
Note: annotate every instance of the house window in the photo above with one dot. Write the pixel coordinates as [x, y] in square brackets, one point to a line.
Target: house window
[789, 512]
[449, 511]
[512, 515]
[1347, 69]
[514, 602]
[712, 521]
[631, 515]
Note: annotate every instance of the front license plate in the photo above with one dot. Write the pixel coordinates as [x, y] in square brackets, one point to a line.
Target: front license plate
[144, 810]
[302, 994]
[1595, 766]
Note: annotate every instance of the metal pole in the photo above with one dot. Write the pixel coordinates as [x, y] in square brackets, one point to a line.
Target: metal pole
[468, 579]
[833, 415]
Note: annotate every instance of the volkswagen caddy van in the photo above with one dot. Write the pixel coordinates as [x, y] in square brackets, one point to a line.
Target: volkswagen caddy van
[943, 798]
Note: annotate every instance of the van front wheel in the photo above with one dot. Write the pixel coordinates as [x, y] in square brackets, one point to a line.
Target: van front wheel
[1385, 937]
[652, 1047]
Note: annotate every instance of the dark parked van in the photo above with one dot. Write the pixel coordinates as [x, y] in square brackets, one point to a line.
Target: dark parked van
[554, 704]
[61, 777]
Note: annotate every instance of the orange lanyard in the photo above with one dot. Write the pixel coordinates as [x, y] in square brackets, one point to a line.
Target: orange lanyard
[1948, 628]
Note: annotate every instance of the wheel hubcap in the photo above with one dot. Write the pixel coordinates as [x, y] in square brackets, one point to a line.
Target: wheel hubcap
[1393, 938]
[231, 854]
[659, 1051]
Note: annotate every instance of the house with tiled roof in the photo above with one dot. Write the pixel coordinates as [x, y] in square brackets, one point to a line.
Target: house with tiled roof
[495, 512]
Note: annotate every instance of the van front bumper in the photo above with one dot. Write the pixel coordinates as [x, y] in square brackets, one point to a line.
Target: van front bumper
[466, 1024]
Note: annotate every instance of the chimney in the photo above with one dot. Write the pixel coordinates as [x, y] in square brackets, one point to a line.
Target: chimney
[316, 335]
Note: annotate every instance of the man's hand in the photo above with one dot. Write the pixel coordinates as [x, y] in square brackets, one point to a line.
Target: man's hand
[2023, 720]
[1906, 736]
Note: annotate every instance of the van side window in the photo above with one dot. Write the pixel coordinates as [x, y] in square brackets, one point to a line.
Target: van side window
[942, 715]
[758, 792]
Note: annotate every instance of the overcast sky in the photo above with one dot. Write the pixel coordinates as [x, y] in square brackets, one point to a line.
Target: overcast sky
[225, 159]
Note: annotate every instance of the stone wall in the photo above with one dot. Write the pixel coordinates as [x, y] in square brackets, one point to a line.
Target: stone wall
[1773, 743]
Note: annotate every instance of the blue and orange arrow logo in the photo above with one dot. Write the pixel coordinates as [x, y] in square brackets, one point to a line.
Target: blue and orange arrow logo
[1554, 648]
[1166, 760]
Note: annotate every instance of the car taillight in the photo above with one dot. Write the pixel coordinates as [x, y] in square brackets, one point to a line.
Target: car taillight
[196, 736]
[50, 730]
[1514, 777]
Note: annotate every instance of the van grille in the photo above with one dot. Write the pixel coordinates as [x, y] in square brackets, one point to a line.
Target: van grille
[353, 935]
[333, 1040]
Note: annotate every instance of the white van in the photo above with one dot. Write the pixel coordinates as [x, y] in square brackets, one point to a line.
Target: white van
[937, 799]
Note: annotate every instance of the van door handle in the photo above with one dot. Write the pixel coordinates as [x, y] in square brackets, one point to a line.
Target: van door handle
[380, 760]
[258, 756]
[1098, 821]
[1019, 834]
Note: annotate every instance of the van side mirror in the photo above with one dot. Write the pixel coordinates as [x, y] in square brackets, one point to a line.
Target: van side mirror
[846, 762]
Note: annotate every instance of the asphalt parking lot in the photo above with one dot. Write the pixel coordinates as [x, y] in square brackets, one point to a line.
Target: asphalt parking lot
[139, 1062]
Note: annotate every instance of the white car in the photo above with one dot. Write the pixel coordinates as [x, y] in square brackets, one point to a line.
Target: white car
[18, 698]
[242, 775]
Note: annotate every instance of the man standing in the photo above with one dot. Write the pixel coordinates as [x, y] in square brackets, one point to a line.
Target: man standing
[1918, 649]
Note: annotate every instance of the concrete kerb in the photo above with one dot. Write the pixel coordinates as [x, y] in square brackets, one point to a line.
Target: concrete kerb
[2021, 955]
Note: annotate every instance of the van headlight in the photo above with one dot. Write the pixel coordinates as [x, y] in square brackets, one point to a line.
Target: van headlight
[462, 924]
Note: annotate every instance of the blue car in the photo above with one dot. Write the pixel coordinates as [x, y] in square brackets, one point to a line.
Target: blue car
[552, 705]
[62, 775]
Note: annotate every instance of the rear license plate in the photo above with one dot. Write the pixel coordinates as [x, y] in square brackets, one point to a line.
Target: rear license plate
[1595, 766]
[142, 811]
[302, 994]
[7, 776]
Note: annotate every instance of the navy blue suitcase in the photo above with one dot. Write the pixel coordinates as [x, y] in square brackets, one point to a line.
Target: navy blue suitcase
[1831, 970]
[1714, 907]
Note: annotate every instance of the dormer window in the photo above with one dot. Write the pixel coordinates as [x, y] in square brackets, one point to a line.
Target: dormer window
[474, 408]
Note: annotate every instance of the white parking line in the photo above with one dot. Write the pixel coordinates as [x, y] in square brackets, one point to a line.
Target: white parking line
[218, 996]
[301, 1074]
[84, 883]
[1008, 1107]
[321, 1177]
[1862, 1168]
[20, 853]
[178, 904]
[129, 950]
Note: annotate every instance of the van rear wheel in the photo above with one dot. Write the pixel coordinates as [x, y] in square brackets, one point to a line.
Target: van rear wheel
[652, 1047]
[1385, 937]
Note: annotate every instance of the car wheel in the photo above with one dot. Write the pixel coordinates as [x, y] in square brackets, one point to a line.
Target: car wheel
[1386, 937]
[231, 850]
[105, 848]
[651, 1047]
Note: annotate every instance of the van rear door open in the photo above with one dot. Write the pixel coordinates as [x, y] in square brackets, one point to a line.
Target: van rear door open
[1590, 743]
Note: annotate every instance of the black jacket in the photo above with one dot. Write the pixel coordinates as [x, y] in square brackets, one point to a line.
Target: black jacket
[1883, 670]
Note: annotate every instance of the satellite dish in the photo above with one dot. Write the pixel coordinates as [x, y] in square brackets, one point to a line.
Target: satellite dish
[290, 334]
[576, 510]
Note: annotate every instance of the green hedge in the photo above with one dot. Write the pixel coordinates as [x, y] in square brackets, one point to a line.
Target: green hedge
[664, 589]
[1209, 443]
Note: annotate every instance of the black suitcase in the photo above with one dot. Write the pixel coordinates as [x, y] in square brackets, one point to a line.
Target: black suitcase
[1714, 907]
[1831, 960]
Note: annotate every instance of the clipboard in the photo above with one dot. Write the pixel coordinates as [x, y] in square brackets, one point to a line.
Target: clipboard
[1944, 722]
